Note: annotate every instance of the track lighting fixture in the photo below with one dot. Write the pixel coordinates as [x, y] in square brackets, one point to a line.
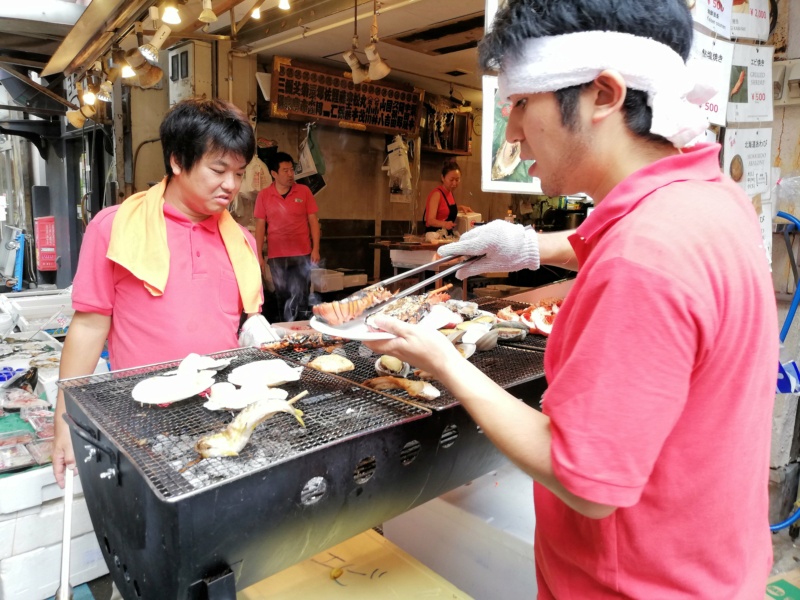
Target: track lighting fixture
[149, 75]
[90, 92]
[105, 92]
[284, 5]
[77, 118]
[377, 68]
[150, 50]
[360, 72]
[208, 15]
[170, 14]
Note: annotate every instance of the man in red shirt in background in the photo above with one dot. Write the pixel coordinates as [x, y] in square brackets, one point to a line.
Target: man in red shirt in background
[287, 212]
[651, 454]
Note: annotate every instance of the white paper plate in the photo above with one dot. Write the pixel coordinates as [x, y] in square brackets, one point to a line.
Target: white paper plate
[167, 389]
[357, 329]
[264, 372]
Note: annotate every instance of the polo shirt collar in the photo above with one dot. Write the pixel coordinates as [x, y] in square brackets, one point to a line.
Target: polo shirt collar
[172, 213]
[697, 163]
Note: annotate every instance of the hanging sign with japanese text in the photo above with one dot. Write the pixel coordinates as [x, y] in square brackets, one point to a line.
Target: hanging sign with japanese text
[718, 56]
[750, 90]
[715, 15]
[750, 19]
[746, 158]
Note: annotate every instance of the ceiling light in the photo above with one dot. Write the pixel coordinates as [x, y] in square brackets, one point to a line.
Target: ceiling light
[105, 91]
[90, 93]
[77, 118]
[150, 50]
[171, 15]
[208, 15]
[377, 68]
[284, 5]
[360, 72]
[256, 14]
[149, 75]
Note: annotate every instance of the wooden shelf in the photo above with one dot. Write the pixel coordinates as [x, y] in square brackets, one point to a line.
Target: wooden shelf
[435, 150]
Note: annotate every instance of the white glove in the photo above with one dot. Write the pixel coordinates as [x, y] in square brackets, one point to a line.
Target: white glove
[507, 247]
[256, 330]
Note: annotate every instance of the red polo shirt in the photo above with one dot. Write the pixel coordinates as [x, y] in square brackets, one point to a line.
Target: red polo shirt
[198, 312]
[287, 220]
[661, 370]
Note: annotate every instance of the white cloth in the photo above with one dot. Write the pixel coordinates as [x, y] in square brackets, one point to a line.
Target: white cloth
[506, 246]
[674, 90]
[256, 330]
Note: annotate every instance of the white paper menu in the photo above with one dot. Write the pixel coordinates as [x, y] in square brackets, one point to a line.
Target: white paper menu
[716, 56]
[746, 158]
[750, 19]
[715, 15]
[750, 89]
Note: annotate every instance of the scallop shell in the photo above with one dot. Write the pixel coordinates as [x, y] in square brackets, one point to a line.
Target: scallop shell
[467, 324]
[490, 319]
[511, 331]
[405, 369]
[466, 350]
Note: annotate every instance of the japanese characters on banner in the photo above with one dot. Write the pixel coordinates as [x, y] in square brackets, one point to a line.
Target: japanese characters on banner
[746, 158]
[750, 89]
[714, 14]
[719, 55]
[750, 19]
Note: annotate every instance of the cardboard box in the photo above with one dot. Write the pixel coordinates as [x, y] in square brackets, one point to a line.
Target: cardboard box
[411, 258]
[365, 567]
[478, 536]
[785, 586]
[324, 280]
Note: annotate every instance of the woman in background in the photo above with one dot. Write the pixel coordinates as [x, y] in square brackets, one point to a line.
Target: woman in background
[441, 208]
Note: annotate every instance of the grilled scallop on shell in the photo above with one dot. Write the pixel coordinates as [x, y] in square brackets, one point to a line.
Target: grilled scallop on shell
[332, 363]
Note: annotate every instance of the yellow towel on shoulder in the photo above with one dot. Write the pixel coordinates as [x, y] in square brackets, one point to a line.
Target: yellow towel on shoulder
[139, 243]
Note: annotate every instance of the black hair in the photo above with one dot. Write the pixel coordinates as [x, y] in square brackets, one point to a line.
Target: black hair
[665, 21]
[274, 161]
[195, 127]
[449, 164]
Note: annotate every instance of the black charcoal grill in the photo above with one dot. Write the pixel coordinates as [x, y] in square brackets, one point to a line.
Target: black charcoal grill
[534, 341]
[172, 529]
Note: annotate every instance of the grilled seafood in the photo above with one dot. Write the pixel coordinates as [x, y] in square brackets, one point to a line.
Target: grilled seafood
[302, 342]
[415, 389]
[231, 440]
[341, 311]
[411, 309]
[332, 363]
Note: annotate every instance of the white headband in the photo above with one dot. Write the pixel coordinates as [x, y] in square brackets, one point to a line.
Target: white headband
[673, 90]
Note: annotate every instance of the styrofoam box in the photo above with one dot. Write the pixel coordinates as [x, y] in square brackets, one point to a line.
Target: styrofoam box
[35, 575]
[357, 280]
[403, 258]
[478, 536]
[324, 280]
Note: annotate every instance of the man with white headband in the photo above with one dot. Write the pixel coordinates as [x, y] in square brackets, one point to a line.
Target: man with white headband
[651, 454]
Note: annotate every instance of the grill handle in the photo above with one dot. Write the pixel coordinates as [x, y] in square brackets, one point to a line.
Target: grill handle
[92, 438]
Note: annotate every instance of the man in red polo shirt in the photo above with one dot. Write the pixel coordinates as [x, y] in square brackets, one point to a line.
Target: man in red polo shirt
[651, 454]
[287, 212]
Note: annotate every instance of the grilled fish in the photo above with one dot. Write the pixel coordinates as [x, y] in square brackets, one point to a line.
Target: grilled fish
[231, 440]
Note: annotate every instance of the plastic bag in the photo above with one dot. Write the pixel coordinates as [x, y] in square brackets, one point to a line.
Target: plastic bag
[786, 191]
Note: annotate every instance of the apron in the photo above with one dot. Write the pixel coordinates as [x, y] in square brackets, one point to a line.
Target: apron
[451, 214]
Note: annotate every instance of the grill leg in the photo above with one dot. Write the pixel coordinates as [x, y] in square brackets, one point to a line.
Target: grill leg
[221, 587]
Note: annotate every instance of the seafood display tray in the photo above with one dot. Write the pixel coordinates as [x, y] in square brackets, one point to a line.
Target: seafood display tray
[494, 305]
[506, 366]
[169, 529]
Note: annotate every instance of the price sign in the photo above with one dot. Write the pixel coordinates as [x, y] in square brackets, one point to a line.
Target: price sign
[750, 19]
[750, 84]
[715, 15]
[746, 158]
[718, 56]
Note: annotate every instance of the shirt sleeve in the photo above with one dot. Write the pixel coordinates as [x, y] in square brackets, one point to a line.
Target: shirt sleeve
[93, 287]
[630, 345]
[311, 202]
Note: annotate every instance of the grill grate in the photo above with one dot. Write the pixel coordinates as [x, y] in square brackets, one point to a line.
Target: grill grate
[532, 340]
[160, 441]
[506, 366]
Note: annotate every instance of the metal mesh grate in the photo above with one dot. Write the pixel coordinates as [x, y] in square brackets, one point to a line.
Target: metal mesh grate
[160, 440]
[532, 340]
[506, 366]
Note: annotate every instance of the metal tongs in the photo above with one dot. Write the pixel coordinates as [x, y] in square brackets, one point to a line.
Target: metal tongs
[417, 286]
[64, 591]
